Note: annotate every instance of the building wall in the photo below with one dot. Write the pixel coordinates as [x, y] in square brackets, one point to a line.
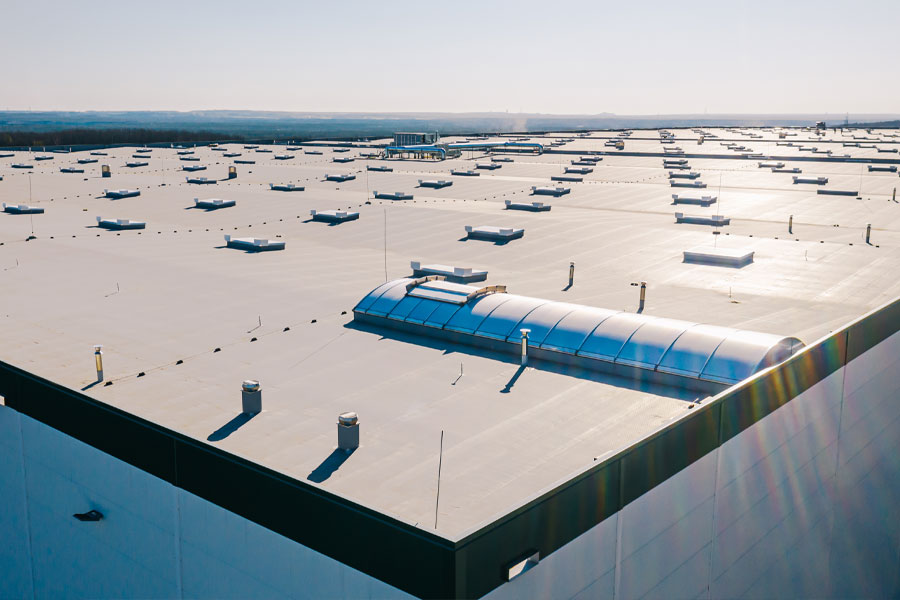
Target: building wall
[155, 540]
[805, 503]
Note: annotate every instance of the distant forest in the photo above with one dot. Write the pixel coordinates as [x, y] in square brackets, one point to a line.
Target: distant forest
[104, 137]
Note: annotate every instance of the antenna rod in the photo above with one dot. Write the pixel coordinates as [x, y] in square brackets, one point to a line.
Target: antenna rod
[440, 463]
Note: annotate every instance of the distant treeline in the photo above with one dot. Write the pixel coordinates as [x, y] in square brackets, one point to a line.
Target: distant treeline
[876, 125]
[104, 137]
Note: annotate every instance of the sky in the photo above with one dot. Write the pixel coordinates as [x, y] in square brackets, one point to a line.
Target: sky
[627, 57]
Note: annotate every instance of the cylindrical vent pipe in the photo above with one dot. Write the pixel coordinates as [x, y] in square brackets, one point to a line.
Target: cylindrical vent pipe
[524, 333]
[791, 224]
[104, 171]
[643, 295]
[232, 172]
[571, 273]
[348, 431]
[868, 232]
[98, 361]
[251, 397]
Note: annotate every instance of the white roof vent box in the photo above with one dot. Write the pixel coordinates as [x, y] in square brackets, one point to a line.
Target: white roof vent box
[123, 193]
[213, 203]
[687, 184]
[550, 191]
[286, 187]
[116, 224]
[333, 216]
[698, 200]
[450, 273]
[529, 206]
[717, 220]
[22, 209]
[340, 177]
[435, 183]
[253, 244]
[720, 257]
[392, 195]
[492, 233]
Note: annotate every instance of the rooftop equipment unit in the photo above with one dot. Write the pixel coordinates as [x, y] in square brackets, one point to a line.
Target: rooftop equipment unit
[213, 203]
[231, 154]
[21, 166]
[184, 152]
[22, 209]
[813, 180]
[688, 184]
[286, 187]
[674, 161]
[245, 161]
[253, 244]
[885, 168]
[494, 234]
[487, 166]
[123, 193]
[263, 150]
[454, 274]
[71, 170]
[392, 195]
[340, 177]
[120, 224]
[529, 206]
[701, 201]
[200, 180]
[691, 175]
[501, 159]
[284, 157]
[579, 170]
[98, 153]
[137, 163]
[333, 216]
[435, 183]
[583, 163]
[465, 173]
[717, 220]
[549, 191]
[380, 168]
[342, 159]
[86, 161]
[190, 158]
[341, 150]
[313, 152]
[44, 157]
[828, 192]
[771, 165]
[192, 168]
[721, 257]
[787, 170]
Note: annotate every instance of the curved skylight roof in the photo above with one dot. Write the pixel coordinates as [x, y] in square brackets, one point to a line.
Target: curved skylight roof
[697, 351]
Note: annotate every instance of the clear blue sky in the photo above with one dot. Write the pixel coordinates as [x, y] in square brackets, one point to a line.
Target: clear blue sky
[627, 57]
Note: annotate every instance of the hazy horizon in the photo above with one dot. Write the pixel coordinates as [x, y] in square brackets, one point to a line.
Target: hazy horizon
[576, 58]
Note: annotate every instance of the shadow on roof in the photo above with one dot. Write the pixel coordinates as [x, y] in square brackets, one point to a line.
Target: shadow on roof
[636, 383]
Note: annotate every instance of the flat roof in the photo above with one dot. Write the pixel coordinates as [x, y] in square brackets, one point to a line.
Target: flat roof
[163, 299]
